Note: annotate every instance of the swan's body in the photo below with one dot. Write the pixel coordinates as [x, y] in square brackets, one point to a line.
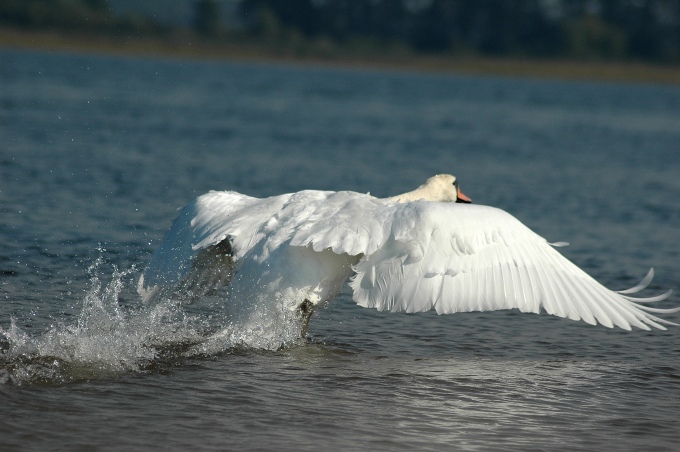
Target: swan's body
[415, 252]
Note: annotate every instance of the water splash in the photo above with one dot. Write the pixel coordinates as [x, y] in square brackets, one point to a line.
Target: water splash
[266, 328]
[105, 340]
[109, 338]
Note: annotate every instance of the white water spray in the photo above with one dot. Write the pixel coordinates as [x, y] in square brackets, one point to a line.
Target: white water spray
[109, 339]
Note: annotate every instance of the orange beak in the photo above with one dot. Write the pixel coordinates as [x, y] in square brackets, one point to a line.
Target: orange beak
[463, 198]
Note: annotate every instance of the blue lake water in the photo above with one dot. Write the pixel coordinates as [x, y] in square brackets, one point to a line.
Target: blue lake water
[97, 153]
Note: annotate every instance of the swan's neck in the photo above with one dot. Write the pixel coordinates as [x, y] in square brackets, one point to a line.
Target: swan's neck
[410, 196]
[428, 192]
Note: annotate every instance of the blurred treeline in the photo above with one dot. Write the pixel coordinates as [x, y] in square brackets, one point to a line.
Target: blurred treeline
[577, 29]
[92, 16]
[582, 29]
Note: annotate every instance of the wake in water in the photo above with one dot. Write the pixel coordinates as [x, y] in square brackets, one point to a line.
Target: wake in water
[109, 339]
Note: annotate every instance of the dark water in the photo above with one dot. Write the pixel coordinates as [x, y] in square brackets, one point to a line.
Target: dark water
[96, 155]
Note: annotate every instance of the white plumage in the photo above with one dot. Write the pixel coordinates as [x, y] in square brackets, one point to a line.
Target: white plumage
[415, 252]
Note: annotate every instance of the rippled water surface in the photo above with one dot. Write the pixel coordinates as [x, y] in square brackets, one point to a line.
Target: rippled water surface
[97, 153]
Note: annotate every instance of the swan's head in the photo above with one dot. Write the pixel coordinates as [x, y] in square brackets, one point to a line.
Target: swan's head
[442, 187]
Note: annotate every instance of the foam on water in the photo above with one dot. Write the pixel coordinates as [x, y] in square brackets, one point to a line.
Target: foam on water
[110, 338]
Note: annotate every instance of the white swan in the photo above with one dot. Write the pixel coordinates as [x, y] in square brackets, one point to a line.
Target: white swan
[414, 252]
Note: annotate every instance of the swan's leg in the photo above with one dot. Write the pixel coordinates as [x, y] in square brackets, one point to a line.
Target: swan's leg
[306, 309]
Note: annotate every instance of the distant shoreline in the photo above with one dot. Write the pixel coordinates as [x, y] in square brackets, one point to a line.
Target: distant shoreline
[193, 48]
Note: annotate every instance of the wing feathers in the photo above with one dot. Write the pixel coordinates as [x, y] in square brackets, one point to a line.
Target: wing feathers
[414, 256]
[641, 285]
[477, 258]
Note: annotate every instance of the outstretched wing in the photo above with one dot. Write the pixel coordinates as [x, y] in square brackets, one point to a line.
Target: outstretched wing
[461, 258]
[205, 222]
[218, 229]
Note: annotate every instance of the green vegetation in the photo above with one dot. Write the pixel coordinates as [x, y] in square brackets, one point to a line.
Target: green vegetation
[582, 29]
[207, 21]
[88, 16]
[603, 39]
